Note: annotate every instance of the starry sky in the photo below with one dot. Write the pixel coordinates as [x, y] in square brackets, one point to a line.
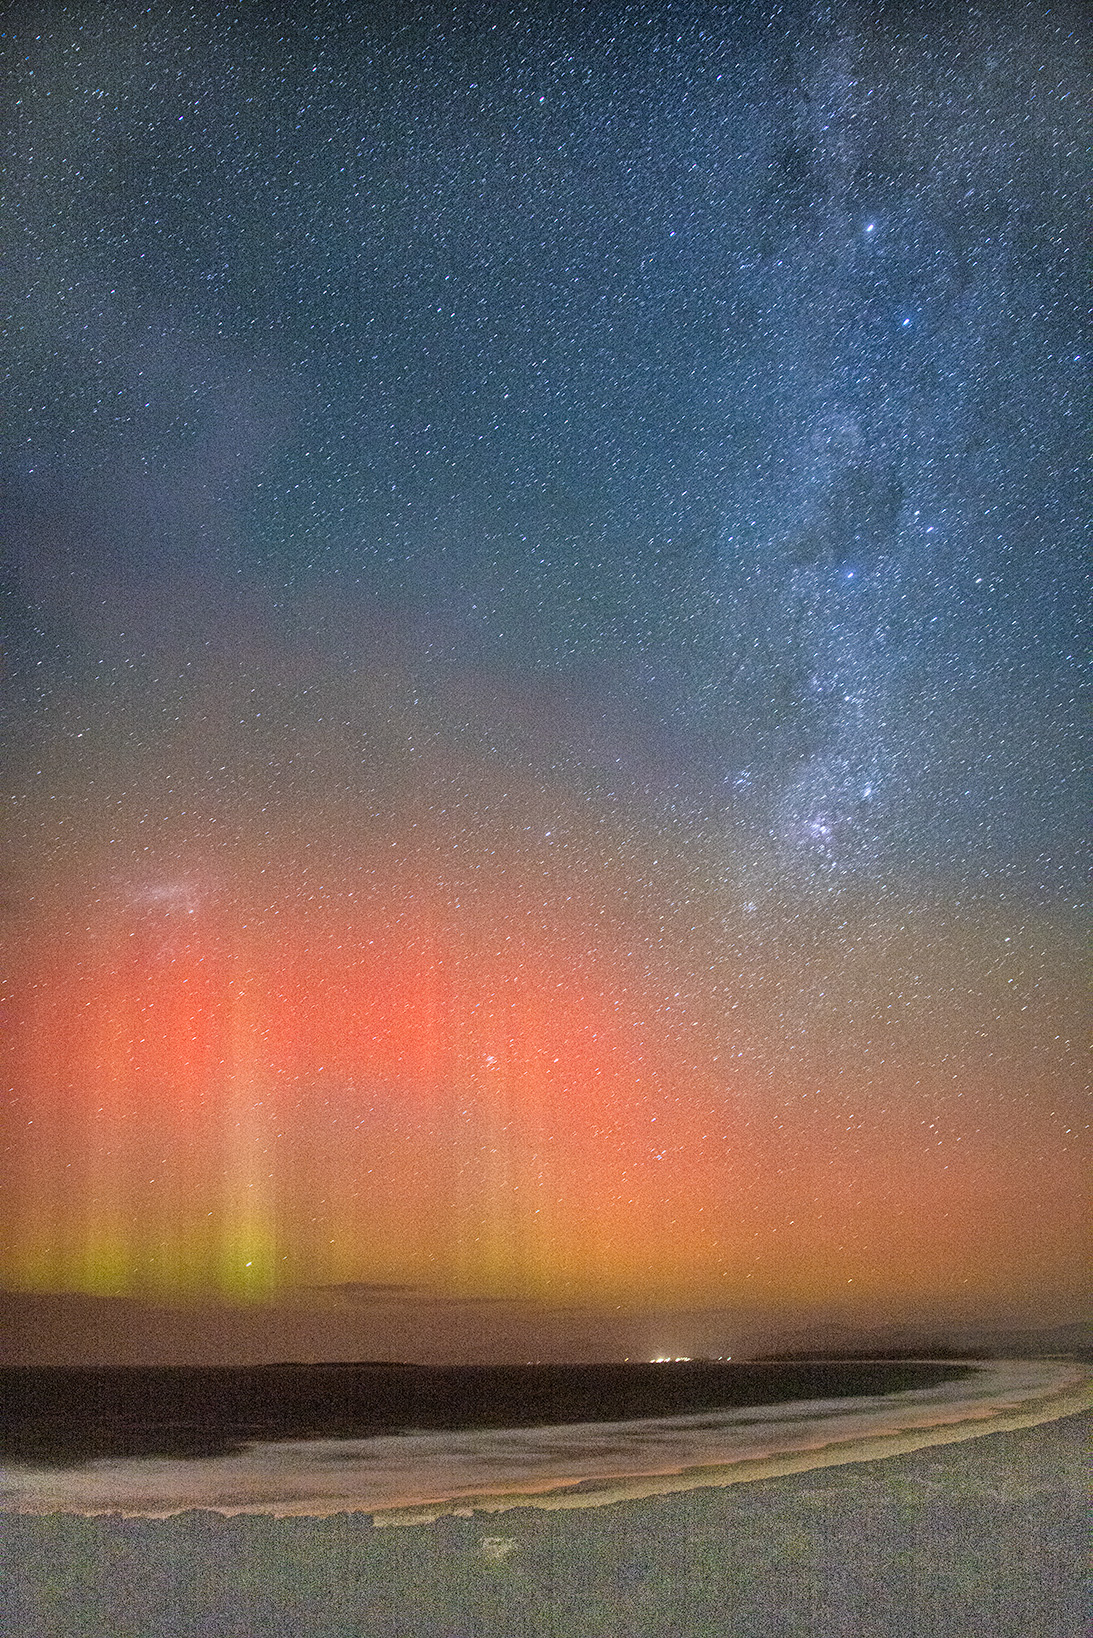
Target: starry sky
[544, 585]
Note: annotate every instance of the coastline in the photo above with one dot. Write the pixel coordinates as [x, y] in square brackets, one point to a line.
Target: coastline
[753, 1470]
[422, 1478]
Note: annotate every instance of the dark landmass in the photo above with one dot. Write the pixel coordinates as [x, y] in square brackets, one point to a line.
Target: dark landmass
[64, 1415]
[836, 1355]
[340, 1365]
[1073, 1340]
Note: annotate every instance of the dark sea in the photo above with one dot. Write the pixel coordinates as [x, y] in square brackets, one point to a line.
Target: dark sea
[62, 1416]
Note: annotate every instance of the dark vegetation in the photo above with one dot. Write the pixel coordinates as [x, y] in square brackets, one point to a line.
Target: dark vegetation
[58, 1416]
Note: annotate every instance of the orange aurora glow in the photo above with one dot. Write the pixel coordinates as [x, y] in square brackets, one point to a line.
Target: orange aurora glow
[238, 1096]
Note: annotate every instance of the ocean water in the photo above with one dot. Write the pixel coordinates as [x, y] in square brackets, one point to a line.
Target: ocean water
[413, 1476]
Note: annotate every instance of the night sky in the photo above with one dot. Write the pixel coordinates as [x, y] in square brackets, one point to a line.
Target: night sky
[543, 558]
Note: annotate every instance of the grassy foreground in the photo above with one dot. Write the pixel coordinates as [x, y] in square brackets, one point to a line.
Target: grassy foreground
[986, 1538]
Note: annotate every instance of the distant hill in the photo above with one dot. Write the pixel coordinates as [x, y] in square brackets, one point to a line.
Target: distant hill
[876, 1351]
[961, 1342]
[1076, 1339]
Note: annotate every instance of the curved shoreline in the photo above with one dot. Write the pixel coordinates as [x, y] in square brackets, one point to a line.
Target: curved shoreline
[418, 1479]
[750, 1470]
